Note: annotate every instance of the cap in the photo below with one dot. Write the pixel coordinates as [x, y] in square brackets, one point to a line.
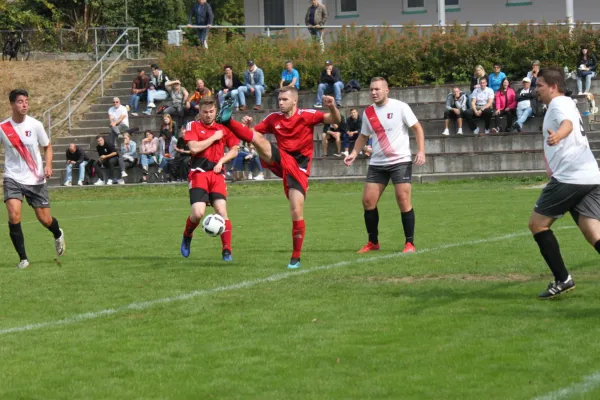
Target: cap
[328, 62]
[526, 79]
[250, 63]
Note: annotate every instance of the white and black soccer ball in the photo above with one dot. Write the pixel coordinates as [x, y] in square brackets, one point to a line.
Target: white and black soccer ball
[213, 225]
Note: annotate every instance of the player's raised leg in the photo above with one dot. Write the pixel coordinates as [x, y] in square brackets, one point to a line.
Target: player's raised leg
[371, 194]
[13, 206]
[193, 220]
[220, 206]
[403, 198]
[296, 198]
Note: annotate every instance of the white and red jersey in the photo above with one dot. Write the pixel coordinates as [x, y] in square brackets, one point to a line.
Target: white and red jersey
[32, 135]
[388, 127]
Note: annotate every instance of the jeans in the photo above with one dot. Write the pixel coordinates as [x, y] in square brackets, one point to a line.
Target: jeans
[156, 95]
[176, 113]
[238, 162]
[202, 33]
[164, 162]
[347, 139]
[336, 88]
[522, 115]
[316, 34]
[134, 100]
[258, 92]
[234, 93]
[146, 160]
[115, 131]
[81, 167]
[588, 82]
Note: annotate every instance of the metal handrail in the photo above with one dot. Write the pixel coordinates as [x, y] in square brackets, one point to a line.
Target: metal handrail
[46, 115]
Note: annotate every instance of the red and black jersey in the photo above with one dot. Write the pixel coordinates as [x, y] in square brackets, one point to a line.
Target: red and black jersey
[198, 131]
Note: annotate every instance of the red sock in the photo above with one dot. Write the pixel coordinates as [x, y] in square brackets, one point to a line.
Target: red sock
[226, 236]
[190, 227]
[298, 231]
[240, 131]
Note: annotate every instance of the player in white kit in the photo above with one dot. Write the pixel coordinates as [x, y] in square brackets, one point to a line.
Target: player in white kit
[25, 174]
[388, 121]
[574, 185]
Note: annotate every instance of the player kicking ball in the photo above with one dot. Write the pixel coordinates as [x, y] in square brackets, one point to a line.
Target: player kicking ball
[387, 121]
[25, 174]
[292, 156]
[207, 140]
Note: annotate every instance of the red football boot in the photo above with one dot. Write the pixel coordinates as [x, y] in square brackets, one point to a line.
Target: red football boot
[368, 247]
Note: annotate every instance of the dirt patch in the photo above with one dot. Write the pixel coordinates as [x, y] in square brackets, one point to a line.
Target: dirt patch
[455, 277]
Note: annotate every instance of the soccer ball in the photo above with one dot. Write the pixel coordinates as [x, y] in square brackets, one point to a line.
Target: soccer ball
[213, 225]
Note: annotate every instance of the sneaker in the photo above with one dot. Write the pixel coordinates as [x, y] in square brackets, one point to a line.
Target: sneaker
[250, 176]
[121, 182]
[580, 94]
[185, 246]
[79, 183]
[134, 114]
[147, 112]
[446, 132]
[256, 108]
[151, 105]
[128, 108]
[60, 244]
[242, 108]
[338, 104]
[294, 264]
[318, 105]
[345, 153]
[123, 174]
[337, 154]
[259, 177]
[409, 248]
[556, 288]
[99, 182]
[494, 130]
[459, 131]
[109, 182]
[23, 264]
[68, 183]
[476, 131]
[368, 247]
[518, 127]
[227, 255]
[224, 114]
[487, 131]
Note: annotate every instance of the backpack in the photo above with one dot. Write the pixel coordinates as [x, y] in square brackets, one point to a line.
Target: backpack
[352, 86]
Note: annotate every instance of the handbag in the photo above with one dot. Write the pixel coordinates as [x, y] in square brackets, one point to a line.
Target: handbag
[583, 74]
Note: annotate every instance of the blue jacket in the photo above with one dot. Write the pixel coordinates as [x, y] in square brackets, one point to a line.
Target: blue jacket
[204, 14]
[496, 80]
[259, 77]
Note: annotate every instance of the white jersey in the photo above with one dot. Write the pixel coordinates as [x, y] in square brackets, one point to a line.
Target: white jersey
[33, 135]
[393, 145]
[571, 160]
[117, 112]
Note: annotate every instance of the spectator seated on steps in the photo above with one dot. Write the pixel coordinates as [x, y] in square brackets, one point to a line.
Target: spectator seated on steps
[129, 151]
[477, 75]
[506, 105]
[179, 166]
[333, 132]
[179, 96]
[192, 104]
[139, 92]
[230, 83]
[456, 105]
[526, 103]
[533, 74]
[482, 103]
[496, 77]
[118, 119]
[586, 69]
[148, 153]
[331, 83]
[157, 88]
[77, 158]
[289, 77]
[353, 127]
[254, 83]
[109, 163]
[247, 156]
[167, 144]
[169, 126]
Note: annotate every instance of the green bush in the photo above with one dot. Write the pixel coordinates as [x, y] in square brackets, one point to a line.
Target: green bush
[407, 57]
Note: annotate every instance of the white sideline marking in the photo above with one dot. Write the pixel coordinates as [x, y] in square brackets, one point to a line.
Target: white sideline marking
[589, 382]
[246, 284]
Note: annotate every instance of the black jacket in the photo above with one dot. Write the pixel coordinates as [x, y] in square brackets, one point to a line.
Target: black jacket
[204, 14]
[354, 126]
[236, 82]
[331, 79]
[106, 149]
[531, 96]
[79, 156]
[591, 62]
[475, 81]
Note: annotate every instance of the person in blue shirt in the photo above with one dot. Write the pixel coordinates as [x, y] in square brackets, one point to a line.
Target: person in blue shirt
[204, 16]
[496, 78]
[289, 76]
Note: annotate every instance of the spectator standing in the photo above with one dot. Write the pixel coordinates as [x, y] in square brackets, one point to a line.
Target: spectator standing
[254, 83]
[139, 91]
[496, 78]
[533, 74]
[119, 120]
[316, 17]
[157, 88]
[506, 105]
[109, 159]
[456, 105]
[331, 82]
[200, 93]
[586, 69]
[289, 76]
[76, 157]
[482, 102]
[230, 83]
[204, 16]
[526, 103]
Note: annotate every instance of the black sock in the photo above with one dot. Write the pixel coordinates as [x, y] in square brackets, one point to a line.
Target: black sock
[597, 246]
[551, 252]
[16, 235]
[408, 223]
[54, 228]
[372, 222]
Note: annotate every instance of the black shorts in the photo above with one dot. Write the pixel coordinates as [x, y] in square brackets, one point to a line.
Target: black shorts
[559, 198]
[398, 173]
[36, 195]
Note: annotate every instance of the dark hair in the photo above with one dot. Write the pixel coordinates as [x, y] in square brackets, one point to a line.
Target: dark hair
[483, 78]
[207, 101]
[581, 51]
[147, 132]
[554, 76]
[228, 66]
[154, 66]
[140, 70]
[497, 64]
[502, 84]
[288, 62]
[99, 136]
[12, 97]
[353, 109]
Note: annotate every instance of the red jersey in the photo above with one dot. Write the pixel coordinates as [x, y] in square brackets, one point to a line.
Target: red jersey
[294, 134]
[198, 131]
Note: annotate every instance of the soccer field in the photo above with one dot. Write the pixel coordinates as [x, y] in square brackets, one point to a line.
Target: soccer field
[125, 316]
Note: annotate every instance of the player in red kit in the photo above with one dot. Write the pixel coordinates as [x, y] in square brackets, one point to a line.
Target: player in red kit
[291, 157]
[207, 140]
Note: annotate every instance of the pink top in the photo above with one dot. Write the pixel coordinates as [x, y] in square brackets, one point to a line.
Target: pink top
[501, 98]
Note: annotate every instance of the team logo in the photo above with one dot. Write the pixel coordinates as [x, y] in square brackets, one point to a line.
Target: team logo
[277, 126]
[28, 133]
[390, 115]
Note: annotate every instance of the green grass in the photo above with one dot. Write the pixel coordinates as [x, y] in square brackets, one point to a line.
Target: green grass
[454, 322]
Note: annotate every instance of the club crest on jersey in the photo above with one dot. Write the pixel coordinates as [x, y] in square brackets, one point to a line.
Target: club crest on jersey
[390, 115]
[277, 126]
[28, 133]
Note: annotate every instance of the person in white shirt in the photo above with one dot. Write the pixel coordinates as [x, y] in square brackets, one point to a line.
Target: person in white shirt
[482, 106]
[387, 122]
[119, 120]
[25, 174]
[526, 103]
[574, 185]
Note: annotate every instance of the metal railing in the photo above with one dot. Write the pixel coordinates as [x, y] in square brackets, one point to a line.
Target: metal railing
[76, 96]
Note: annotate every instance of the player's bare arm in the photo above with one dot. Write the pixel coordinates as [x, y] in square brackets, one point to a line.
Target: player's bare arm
[198, 147]
[360, 143]
[420, 137]
[230, 155]
[565, 129]
[333, 116]
[49, 153]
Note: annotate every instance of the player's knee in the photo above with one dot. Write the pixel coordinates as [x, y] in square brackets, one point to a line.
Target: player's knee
[536, 227]
[14, 217]
[368, 203]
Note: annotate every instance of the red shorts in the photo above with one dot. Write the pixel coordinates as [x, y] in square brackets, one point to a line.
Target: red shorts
[294, 169]
[206, 187]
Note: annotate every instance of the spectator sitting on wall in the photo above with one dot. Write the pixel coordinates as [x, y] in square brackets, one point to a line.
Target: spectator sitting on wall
[353, 127]
[148, 153]
[586, 69]
[157, 88]
[167, 144]
[179, 167]
[533, 74]
[482, 102]
[333, 132]
[109, 159]
[119, 120]
[139, 91]
[76, 157]
[496, 78]
[526, 104]
[168, 126]
[230, 83]
[200, 92]
[506, 104]
[179, 96]
[477, 75]
[254, 83]
[331, 82]
[129, 151]
[289, 76]
[456, 105]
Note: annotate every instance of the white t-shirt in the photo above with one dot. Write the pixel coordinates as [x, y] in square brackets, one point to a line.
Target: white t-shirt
[116, 113]
[571, 160]
[524, 104]
[482, 96]
[33, 135]
[394, 146]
